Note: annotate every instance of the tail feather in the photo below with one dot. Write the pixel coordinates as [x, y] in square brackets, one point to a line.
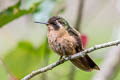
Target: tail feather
[85, 63]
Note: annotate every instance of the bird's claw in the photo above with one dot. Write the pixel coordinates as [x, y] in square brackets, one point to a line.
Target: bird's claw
[61, 58]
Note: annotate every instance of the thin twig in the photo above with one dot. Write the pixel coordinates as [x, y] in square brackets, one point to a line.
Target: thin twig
[78, 28]
[81, 54]
[79, 15]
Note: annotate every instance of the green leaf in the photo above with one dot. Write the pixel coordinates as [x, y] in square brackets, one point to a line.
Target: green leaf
[24, 58]
[15, 12]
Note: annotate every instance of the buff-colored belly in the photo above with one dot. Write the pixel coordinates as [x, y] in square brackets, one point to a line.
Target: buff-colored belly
[62, 46]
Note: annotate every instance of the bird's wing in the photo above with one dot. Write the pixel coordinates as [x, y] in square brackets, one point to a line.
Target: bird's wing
[77, 36]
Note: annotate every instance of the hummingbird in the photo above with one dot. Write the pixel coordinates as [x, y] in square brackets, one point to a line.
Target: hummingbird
[66, 41]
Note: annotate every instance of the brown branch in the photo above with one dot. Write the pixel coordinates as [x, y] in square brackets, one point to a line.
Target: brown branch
[79, 15]
[78, 28]
[81, 54]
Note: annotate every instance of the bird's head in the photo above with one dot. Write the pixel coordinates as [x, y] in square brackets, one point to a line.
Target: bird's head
[56, 23]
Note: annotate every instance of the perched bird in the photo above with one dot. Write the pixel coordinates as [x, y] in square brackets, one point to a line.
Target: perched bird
[66, 41]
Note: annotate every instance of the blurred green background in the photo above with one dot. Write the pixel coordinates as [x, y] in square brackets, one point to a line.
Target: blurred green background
[24, 46]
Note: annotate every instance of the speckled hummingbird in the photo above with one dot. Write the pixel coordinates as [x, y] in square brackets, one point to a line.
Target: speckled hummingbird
[66, 41]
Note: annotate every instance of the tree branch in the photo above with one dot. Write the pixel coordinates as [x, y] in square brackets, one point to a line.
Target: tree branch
[80, 54]
[79, 15]
[78, 28]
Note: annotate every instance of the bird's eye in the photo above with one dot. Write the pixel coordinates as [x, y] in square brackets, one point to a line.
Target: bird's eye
[54, 23]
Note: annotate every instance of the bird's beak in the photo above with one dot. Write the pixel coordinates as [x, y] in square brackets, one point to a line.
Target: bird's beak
[42, 23]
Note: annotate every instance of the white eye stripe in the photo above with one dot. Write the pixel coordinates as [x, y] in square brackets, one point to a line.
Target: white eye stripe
[58, 23]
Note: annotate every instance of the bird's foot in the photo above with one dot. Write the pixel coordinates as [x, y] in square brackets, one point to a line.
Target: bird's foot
[61, 58]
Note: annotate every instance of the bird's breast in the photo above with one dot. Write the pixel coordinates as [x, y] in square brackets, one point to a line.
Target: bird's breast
[63, 44]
